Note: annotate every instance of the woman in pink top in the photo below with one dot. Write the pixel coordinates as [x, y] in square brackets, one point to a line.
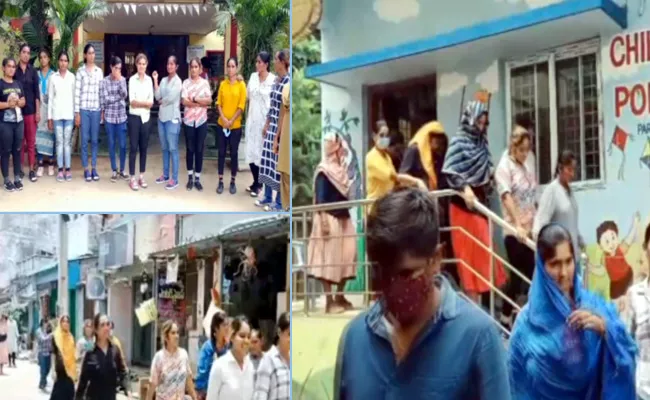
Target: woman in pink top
[517, 185]
[196, 97]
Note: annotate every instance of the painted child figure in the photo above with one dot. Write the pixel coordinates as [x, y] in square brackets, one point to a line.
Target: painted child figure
[614, 250]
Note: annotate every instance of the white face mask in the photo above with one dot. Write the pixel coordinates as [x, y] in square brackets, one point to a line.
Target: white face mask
[383, 143]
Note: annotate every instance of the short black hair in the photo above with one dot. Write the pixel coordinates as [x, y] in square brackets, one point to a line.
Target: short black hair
[284, 322]
[402, 222]
[525, 122]
[549, 237]
[564, 160]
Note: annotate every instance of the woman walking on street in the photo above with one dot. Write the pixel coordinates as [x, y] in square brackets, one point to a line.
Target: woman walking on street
[85, 344]
[102, 371]
[12, 340]
[65, 363]
[171, 374]
[141, 101]
[113, 103]
[12, 101]
[231, 102]
[273, 377]
[259, 89]
[168, 94]
[44, 135]
[60, 115]
[87, 108]
[269, 175]
[215, 347]
[4, 342]
[44, 342]
[282, 147]
[196, 97]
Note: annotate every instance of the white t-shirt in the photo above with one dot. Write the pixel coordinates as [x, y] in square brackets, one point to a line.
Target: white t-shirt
[140, 90]
[229, 381]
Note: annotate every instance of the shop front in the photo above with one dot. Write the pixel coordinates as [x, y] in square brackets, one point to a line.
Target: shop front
[579, 70]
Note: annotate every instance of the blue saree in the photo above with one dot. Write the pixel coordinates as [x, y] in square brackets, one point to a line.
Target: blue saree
[549, 360]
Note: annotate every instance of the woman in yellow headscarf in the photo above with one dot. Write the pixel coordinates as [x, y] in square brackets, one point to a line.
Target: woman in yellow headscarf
[65, 364]
[426, 153]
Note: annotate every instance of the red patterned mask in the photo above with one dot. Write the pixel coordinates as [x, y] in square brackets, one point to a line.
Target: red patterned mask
[406, 298]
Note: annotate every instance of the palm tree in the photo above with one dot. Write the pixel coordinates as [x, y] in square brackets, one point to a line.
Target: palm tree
[35, 31]
[263, 26]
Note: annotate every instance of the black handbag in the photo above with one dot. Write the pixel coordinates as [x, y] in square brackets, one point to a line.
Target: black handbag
[3, 338]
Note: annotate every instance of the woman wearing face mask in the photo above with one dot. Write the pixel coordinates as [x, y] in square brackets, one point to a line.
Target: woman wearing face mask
[232, 376]
[103, 367]
[65, 363]
[558, 203]
[139, 122]
[171, 374]
[273, 378]
[568, 343]
[468, 169]
[231, 102]
[60, 115]
[113, 102]
[381, 176]
[332, 245]
[517, 185]
[44, 135]
[259, 96]
[214, 348]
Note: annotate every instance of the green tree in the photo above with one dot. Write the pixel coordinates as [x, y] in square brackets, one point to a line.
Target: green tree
[306, 121]
[35, 31]
[11, 37]
[263, 26]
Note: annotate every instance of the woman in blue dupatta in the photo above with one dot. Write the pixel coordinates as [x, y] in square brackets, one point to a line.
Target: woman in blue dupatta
[567, 342]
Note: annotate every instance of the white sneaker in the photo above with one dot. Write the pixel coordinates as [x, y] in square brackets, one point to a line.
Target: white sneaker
[39, 171]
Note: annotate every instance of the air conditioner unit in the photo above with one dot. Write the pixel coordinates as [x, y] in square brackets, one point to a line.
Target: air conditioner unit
[95, 287]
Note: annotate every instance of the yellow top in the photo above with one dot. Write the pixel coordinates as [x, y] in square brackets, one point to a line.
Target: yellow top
[65, 344]
[232, 96]
[380, 174]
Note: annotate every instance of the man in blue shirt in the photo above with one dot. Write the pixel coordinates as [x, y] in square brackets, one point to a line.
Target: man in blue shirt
[421, 340]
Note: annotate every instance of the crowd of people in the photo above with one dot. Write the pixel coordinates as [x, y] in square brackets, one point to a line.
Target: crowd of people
[232, 364]
[40, 107]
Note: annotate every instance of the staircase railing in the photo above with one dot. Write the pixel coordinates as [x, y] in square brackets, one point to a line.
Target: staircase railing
[302, 219]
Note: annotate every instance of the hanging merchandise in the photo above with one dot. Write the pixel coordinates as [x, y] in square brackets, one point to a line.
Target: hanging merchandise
[146, 312]
[248, 266]
[172, 270]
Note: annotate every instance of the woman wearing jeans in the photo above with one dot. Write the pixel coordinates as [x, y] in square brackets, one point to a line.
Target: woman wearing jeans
[12, 100]
[113, 101]
[87, 110]
[168, 94]
[231, 102]
[60, 114]
[141, 98]
[196, 97]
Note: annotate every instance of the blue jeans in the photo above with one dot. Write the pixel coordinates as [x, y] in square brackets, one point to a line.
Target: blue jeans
[89, 132]
[63, 132]
[44, 363]
[168, 133]
[268, 197]
[119, 130]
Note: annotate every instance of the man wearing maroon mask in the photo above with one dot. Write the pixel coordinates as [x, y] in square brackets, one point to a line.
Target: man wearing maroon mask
[421, 339]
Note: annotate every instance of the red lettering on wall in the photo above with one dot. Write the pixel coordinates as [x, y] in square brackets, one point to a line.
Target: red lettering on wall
[622, 95]
[620, 60]
[630, 48]
[638, 92]
[636, 98]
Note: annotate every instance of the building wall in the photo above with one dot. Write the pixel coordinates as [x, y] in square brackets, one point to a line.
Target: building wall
[120, 298]
[620, 196]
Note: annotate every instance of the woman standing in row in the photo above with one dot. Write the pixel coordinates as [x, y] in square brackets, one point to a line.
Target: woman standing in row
[259, 89]
[12, 100]
[141, 101]
[87, 109]
[60, 115]
[44, 134]
[196, 97]
[168, 94]
[269, 175]
[231, 102]
[65, 363]
[113, 103]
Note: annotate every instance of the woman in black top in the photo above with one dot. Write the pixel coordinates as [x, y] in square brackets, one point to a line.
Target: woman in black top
[12, 100]
[103, 369]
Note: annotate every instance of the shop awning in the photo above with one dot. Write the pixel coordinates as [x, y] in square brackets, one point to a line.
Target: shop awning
[516, 35]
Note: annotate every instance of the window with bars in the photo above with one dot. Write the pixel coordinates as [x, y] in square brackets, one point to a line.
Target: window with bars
[559, 91]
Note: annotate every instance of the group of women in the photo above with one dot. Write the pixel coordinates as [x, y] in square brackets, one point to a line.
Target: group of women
[58, 100]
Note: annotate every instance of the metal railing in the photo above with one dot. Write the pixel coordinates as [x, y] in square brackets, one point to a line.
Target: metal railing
[302, 218]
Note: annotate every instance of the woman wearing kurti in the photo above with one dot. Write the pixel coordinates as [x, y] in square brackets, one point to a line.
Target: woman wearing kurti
[282, 148]
[87, 108]
[113, 103]
[232, 376]
[259, 101]
[567, 342]
[517, 185]
[468, 169]
[168, 94]
[332, 244]
[171, 374]
[141, 101]
[60, 115]
[269, 175]
[65, 363]
[231, 101]
[85, 344]
[44, 135]
[196, 97]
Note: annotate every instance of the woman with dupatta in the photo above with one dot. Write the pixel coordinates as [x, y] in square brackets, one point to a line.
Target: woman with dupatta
[65, 361]
[332, 244]
[468, 169]
[567, 342]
